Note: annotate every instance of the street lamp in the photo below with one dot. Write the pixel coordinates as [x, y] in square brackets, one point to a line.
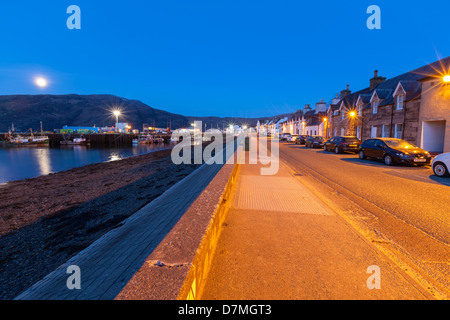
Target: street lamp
[352, 119]
[325, 127]
[447, 79]
[117, 114]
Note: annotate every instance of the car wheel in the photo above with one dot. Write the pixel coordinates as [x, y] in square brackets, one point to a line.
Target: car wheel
[336, 150]
[362, 156]
[388, 160]
[440, 169]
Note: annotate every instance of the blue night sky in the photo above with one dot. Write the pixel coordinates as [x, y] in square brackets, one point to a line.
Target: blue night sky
[216, 57]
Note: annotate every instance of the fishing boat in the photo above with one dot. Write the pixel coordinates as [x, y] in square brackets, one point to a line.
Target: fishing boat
[81, 141]
[28, 141]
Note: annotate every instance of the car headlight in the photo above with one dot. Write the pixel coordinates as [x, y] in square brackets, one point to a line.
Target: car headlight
[403, 154]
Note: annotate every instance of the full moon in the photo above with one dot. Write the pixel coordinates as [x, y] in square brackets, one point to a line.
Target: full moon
[41, 82]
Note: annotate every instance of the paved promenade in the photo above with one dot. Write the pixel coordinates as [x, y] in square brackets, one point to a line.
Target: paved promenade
[280, 242]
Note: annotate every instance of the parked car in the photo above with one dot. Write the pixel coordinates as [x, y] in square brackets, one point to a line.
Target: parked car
[284, 136]
[293, 137]
[301, 139]
[314, 142]
[392, 150]
[441, 165]
[342, 144]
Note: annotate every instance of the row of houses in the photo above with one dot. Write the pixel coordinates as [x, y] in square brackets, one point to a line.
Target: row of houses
[414, 106]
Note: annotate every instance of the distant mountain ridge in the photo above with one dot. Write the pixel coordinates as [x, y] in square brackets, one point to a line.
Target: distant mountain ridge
[55, 111]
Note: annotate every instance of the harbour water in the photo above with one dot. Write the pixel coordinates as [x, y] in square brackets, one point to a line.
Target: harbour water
[22, 163]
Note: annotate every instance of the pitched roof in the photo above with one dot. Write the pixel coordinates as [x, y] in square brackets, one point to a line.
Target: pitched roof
[411, 80]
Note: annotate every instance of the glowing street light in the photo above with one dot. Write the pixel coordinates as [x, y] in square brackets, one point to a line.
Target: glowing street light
[353, 114]
[117, 113]
[447, 78]
[325, 127]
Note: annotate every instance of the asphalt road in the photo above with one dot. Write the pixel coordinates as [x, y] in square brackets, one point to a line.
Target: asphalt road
[403, 210]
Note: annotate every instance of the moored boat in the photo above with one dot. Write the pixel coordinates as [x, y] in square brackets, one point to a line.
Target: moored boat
[32, 141]
[27, 141]
[75, 142]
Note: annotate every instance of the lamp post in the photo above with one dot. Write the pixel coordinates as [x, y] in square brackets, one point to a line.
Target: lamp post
[325, 127]
[117, 114]
[352, 122]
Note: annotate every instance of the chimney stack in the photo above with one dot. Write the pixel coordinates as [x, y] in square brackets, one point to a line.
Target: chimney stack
[376, 80]
[346, 92]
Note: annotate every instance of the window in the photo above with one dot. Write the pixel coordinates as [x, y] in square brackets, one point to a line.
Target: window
[373, 132]
[343, 115]
[342, 131]
[360, 110]
[379, 144]
[358, 132]
[385, 133]
[400, 100]
[335, 132]
[375, 107]
[398, 131]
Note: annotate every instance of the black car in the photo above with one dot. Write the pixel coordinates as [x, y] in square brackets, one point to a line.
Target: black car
[392, 150]
[314, 142]
[342, 144]
[301, 139]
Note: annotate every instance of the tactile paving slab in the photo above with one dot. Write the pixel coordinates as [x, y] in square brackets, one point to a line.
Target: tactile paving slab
[279, 194]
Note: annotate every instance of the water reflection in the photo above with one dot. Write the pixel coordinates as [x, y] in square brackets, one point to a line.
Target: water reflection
[22, 163]
[114, 157]
[43, 160]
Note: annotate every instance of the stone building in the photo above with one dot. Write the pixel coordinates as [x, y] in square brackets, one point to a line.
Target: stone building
[413, 106]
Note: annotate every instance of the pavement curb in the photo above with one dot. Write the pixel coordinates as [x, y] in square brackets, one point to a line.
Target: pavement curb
[178, 266]
[195, 279]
